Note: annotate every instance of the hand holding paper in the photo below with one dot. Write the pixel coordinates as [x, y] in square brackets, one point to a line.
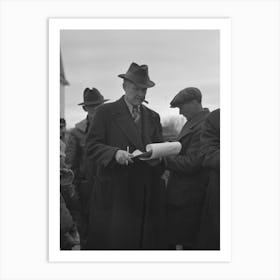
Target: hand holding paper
[123, 157]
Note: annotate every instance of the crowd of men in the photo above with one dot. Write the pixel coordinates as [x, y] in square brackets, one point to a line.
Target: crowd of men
[112, 201]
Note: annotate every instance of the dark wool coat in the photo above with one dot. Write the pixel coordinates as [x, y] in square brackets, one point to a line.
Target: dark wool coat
[76, 160]
[186, 186]
[75, 149]
[210, 150]
[127, 202]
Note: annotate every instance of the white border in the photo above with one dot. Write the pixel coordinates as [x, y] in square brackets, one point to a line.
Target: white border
[224, 25]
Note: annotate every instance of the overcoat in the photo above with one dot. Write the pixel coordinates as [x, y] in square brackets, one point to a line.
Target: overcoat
[127, 202]
[75, 149]
[186, 186]
[209, 238]
[76, 160]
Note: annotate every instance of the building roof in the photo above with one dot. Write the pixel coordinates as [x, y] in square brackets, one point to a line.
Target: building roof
[62, 74]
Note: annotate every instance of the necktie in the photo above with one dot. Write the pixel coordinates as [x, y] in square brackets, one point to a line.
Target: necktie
[135, 114]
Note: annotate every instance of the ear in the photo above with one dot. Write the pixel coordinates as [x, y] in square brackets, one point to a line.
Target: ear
[124, 85]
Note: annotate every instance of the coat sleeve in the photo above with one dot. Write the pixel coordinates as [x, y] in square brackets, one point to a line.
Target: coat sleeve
[97, 148]
[157, 137]
[189, 161]
[157, 164]
[210, 143]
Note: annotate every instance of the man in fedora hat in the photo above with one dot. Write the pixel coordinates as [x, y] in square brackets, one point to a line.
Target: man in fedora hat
[187, 180]
[127, 199]
[76, 157]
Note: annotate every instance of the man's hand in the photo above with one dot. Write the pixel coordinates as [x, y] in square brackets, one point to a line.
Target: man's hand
[123, 157]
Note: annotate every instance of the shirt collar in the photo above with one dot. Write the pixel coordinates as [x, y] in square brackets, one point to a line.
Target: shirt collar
[130, 106]
[199, 115]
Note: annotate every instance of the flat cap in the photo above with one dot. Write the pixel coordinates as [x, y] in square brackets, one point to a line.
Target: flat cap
[186, 95]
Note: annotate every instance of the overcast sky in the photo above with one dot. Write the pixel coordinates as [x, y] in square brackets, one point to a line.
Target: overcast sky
[176, 59]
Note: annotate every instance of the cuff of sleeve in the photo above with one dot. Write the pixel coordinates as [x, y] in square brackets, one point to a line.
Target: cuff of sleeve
[111, 160]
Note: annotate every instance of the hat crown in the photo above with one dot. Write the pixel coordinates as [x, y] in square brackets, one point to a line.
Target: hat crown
[92, 97]
[138, 74]
[138, 70]
[186, 95]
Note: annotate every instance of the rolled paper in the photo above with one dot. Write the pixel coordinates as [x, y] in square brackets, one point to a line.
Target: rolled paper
[163, 149]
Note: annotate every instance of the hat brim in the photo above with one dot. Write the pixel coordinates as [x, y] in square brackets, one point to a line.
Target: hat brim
[149, 84]
[93, 103]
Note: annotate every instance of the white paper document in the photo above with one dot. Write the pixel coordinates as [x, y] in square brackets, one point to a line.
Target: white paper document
[157, 150]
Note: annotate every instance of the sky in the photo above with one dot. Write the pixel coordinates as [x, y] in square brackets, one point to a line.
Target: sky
[176, 59]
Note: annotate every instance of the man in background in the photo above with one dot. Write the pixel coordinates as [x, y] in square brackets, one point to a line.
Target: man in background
[186, 183]
[209, 238]
[62, 129]
[76, 159]
[69, 237]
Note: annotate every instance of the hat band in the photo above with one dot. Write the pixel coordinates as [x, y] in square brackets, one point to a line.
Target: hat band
[137, 79]
[93, 102]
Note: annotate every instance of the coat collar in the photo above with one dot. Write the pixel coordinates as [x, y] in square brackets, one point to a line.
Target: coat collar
[124, 120]
[193, 122]
[82, 126]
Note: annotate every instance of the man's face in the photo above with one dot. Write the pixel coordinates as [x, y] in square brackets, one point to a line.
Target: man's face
[91, 110]
[134, 94]
[188, 109]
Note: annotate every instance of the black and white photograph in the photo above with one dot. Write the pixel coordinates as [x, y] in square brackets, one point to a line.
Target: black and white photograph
[166, 161]
[140, 139]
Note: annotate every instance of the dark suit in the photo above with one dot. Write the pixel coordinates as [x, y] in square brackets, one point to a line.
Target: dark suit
[127, 201]
[186, 186]
[77, 161]
[210, 150]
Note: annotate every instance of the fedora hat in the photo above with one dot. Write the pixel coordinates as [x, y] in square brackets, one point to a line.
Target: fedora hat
[138, 74]
[92, 97]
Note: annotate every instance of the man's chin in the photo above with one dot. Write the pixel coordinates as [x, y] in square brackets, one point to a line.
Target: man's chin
[139, 102]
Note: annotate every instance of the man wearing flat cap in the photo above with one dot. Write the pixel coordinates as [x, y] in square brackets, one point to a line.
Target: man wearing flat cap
[127, 200]
[187, 180]
[76, 157]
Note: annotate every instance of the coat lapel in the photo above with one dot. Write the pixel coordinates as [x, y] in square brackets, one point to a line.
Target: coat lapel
[125, 122]
[147, 126]
[82, 126]
[192, 123]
